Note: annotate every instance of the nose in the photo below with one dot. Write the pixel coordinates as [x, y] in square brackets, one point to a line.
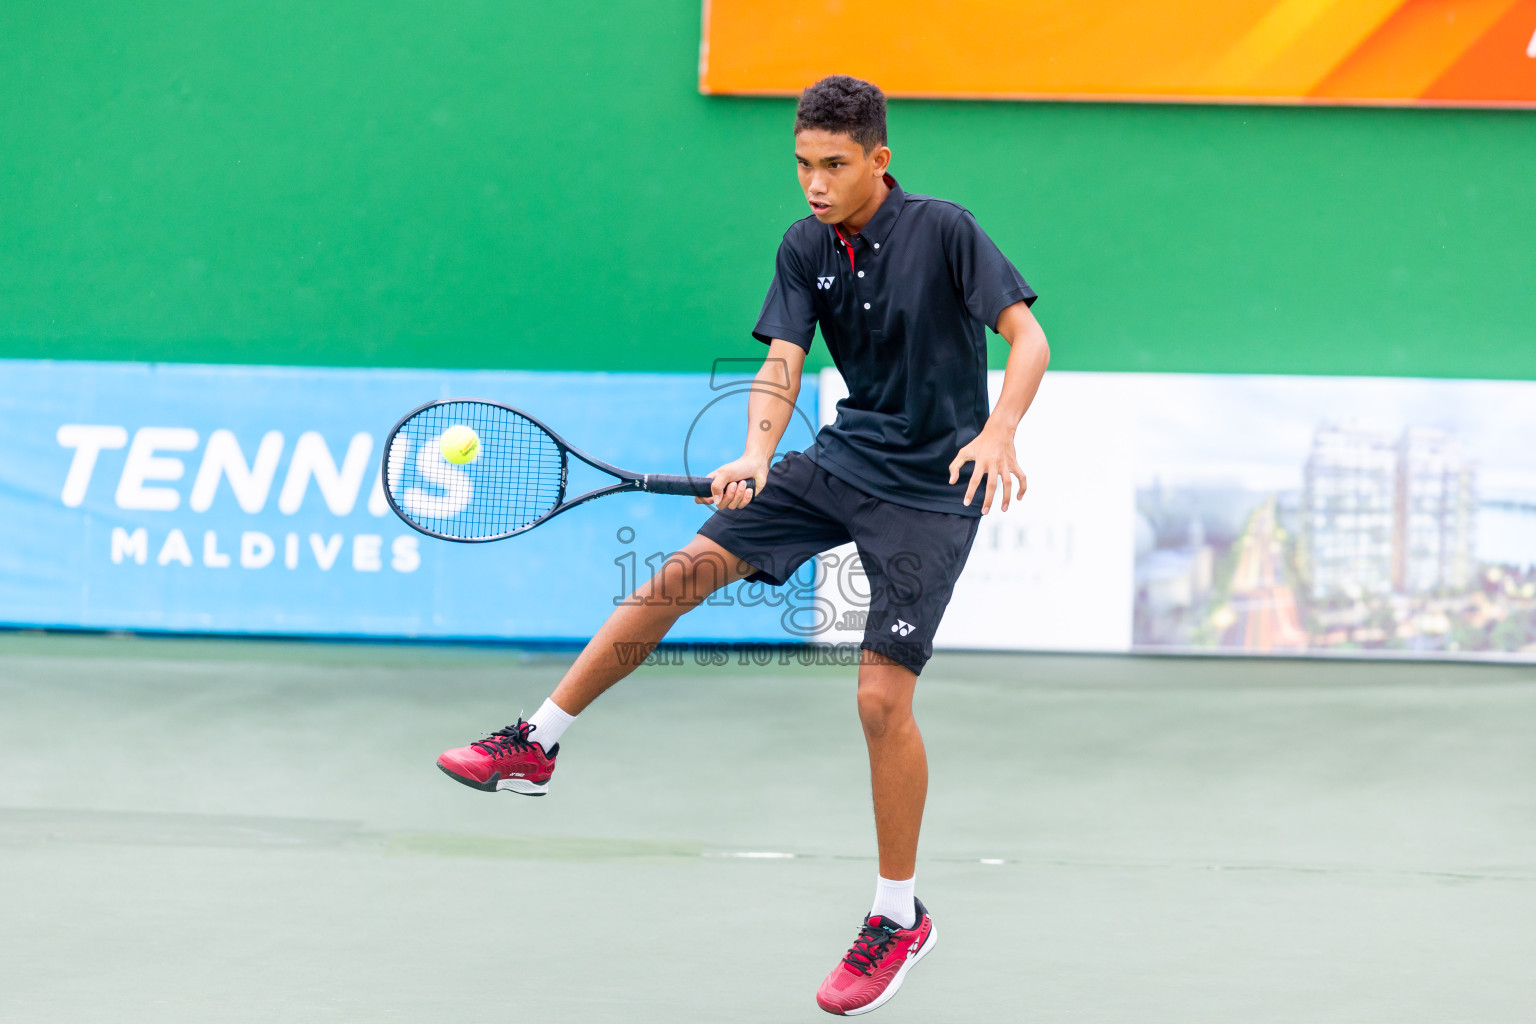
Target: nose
[817, 186]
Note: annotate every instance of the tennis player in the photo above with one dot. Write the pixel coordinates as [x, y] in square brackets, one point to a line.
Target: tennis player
[904, 287]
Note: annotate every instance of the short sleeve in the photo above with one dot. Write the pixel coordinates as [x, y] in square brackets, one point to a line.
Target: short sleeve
[987, 282]
[789, 311]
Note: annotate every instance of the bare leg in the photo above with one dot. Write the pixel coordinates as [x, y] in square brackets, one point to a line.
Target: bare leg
[639, 624]
[898, 765]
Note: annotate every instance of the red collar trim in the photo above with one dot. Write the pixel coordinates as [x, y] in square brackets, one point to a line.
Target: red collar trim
[847, 245]
[891, 182]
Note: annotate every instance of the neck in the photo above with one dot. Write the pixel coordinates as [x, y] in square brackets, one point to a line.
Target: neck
[861, 216]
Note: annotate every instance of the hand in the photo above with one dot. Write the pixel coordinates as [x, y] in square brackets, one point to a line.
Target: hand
[992, 452]
[728, 491]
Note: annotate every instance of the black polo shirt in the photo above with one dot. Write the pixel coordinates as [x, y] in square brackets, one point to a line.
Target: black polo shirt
[904, 306]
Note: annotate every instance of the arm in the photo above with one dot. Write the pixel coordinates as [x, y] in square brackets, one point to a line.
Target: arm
[992, 450]
[768, 411]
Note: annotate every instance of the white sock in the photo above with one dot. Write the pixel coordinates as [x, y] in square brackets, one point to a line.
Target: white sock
[896, 900]
[549, 724]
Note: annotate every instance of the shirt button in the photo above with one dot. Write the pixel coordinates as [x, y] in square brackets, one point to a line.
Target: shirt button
[866, 305]
[877, 245]
[861, 273]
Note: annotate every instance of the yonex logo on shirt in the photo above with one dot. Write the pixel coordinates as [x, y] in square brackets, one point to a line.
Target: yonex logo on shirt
[903, 627]
[825, 283]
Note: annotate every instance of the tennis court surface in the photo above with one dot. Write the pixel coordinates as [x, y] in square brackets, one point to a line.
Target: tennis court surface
[225, 831]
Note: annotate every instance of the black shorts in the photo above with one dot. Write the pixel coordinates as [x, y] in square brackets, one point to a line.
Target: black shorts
[911, 556]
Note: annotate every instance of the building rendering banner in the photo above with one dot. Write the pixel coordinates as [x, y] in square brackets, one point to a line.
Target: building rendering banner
[1447, 52]
[1219, 514]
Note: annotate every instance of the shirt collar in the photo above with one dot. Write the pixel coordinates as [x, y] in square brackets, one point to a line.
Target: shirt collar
[879, 226]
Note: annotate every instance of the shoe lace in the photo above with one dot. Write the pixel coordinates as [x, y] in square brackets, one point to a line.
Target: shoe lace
[506, 740]
[869, 948]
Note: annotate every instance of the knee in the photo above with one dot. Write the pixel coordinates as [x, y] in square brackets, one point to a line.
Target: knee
[686, 581]
[881, 710]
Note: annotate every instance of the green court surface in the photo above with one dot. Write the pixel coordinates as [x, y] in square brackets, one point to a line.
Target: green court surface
[229, 831]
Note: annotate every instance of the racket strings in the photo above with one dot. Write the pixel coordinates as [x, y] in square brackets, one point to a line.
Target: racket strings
[514, 480]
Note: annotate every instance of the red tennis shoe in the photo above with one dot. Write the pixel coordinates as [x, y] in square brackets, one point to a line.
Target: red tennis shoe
[876, 964]
[506, 759]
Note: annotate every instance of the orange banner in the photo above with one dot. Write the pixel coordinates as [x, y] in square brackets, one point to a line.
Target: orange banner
[1449, 52]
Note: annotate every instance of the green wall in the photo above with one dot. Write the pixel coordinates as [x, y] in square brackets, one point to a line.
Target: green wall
[505, 184]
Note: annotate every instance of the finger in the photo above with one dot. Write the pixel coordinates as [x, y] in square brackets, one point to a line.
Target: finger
[986, 504]
[717, 484]
[1006, 490]
[970, 492]
[1023, 484]
[1014, 473]
[954, 467]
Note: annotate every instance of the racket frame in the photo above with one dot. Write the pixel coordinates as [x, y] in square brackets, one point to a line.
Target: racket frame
[653, 483]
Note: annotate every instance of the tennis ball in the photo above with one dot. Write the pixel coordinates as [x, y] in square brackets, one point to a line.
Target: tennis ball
[460, 444]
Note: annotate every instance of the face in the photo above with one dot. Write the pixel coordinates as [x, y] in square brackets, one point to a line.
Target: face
[838, 177]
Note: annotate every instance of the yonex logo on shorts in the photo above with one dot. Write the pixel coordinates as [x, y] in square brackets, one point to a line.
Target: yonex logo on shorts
[903, 627]
[825, 283]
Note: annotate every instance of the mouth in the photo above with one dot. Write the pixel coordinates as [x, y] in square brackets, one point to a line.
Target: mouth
[818, 207]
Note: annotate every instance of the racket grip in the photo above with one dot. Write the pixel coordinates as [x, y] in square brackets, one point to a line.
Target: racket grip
[663, 483]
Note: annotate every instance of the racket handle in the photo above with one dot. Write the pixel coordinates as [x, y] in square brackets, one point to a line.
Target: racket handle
[663, 483]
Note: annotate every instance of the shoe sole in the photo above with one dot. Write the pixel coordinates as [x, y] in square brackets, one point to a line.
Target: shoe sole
[496, 783]
[901, 975]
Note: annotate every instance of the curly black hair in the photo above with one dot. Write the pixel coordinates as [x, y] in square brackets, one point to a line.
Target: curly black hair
[841, 103]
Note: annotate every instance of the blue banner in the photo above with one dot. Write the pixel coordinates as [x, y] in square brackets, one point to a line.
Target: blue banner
[234, 499]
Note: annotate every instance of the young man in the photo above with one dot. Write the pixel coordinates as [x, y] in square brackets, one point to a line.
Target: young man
[904, 288]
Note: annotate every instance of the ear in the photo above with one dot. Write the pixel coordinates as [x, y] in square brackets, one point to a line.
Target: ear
[880, 159]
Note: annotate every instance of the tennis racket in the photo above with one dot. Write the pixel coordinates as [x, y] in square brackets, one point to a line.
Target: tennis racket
[516, 482]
